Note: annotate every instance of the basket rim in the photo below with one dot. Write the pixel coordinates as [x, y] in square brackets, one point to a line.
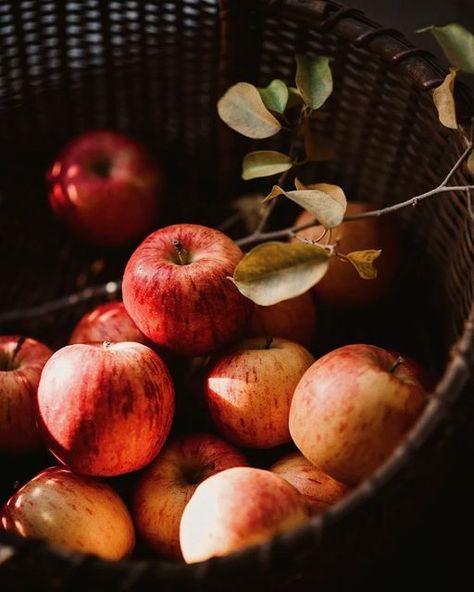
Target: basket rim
[422, 68]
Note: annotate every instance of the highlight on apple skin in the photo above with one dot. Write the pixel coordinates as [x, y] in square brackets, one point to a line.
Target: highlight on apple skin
[71, 512]
[21, 362]
[176, 288]
[107, 322]
[168, 483]
[320, 490]
[238, 508]
[353, 406]
[105, 409]
[106, 188]
[249, 390]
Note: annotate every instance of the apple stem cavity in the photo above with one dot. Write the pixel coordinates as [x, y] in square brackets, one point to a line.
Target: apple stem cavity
[8, 363]
[101, 168]
[182, 257]
[396, 364]
[268, 342]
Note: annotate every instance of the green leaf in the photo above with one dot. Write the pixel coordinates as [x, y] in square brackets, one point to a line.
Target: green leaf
[275, 96]
[313, 79]
[457, 44]
[325, 201]
[470, 163]
[243, 110]
[264, 163]
[444, 101]
[294, 98]
[276, 271]
[363, 261]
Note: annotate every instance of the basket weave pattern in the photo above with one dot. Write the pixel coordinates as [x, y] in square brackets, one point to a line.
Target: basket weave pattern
[155, 69]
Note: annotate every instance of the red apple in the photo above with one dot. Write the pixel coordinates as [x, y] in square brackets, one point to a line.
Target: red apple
[105, 409]
[169, 482]
[249, 390]
[353, 406]
[107, 322]
[176, 289]
[238, 508]
[319, 489]
[71, 512]
[342, 287]
[21, 362]
[106, 188]
[293, 319]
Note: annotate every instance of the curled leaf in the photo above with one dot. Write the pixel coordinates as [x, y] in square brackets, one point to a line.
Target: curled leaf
[242, 109]
[457, 44]
[276, 271]
[265, 163]
[250, 209]
[275, 96]
[313, 79]
[444, 101]
[470, 163]
[325, 201]
[363, 261]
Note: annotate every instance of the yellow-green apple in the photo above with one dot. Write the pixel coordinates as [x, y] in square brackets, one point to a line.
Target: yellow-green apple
[238, 508]
[249, 390]
[107, 322]
[73, 512]
[106, 188]
[319, 489]
[105, 409]
[353, 406]
[176, 289]
[21, 363]
[342, 287]
[293, 319]
[169, 482]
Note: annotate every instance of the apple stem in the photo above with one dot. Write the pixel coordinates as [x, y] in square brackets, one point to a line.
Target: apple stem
[268, 342]
[395, 364]
[18, 346]
[182, 255]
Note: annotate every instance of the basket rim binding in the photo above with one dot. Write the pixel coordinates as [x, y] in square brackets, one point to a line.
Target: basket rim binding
[422, 69]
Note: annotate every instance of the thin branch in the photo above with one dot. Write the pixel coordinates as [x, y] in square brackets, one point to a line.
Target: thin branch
[31, 312]
[456, 165]
[409, 202]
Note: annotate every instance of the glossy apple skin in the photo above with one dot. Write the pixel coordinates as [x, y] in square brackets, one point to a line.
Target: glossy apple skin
[105, 409]
[320, 490]
[238, 508]
[342, 287]
[71, 512]
[189, 309]
[112, 206]
[107, 322]
[169, 482]
[249, 390]
[19, 378]
[294, 319]
[349, 411]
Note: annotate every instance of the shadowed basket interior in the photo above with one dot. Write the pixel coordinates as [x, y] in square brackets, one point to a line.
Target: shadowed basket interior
[155, 69]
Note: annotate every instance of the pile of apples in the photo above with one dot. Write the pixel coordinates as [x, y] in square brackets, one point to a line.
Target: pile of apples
[104, 405]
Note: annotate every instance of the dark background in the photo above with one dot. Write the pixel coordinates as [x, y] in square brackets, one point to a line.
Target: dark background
[436, 551]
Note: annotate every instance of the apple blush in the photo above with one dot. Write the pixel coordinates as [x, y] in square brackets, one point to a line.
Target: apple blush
[353, 406]
[177, 290]
[106, 188]
[105, 409]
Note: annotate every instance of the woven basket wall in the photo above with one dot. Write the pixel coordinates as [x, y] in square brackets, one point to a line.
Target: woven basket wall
[155, 69]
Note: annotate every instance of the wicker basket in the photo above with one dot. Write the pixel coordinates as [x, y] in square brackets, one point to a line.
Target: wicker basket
[155, 69]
